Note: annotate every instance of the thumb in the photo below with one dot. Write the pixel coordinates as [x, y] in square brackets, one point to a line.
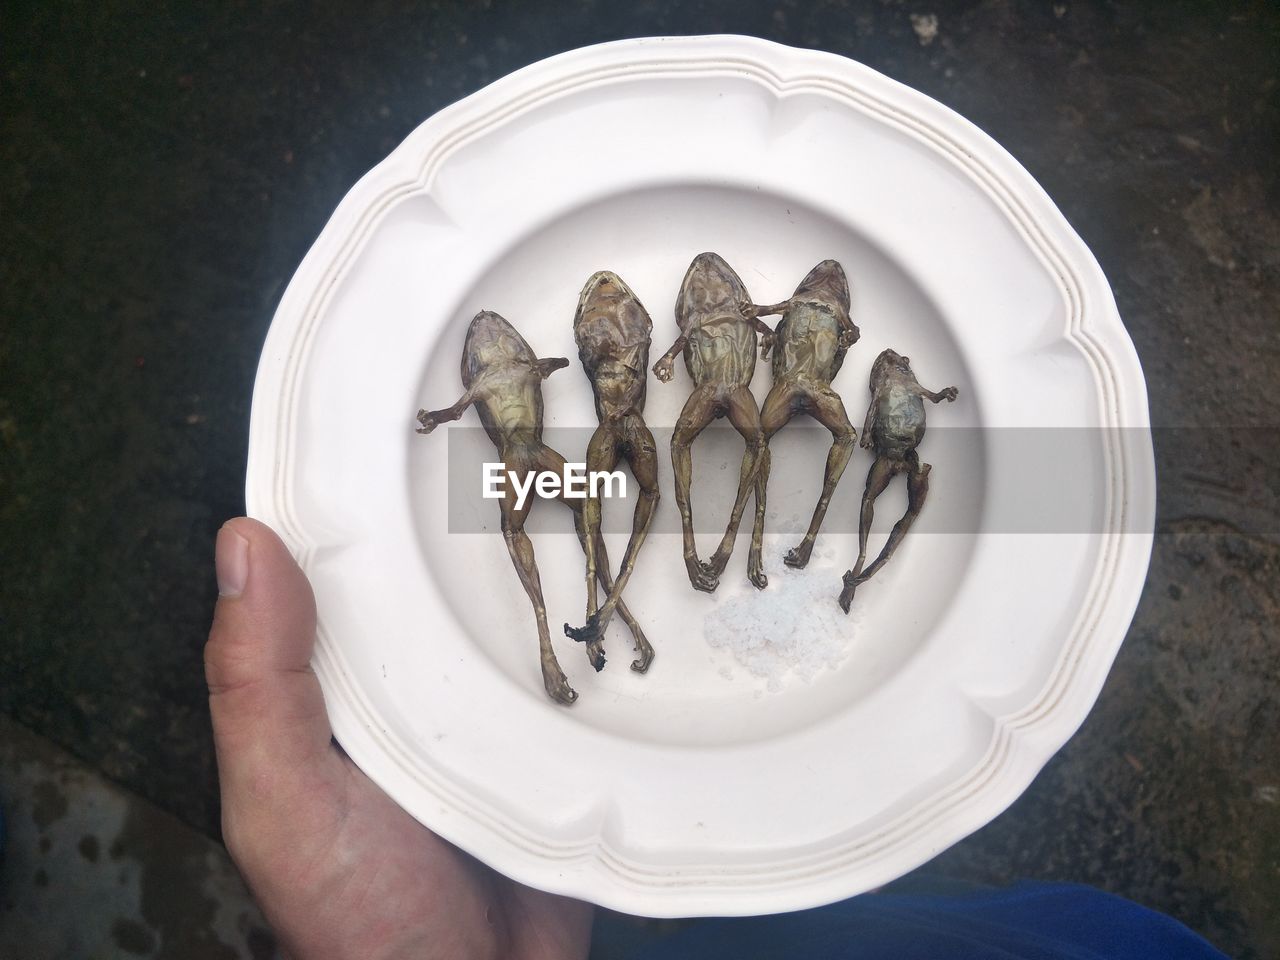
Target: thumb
[269, 719]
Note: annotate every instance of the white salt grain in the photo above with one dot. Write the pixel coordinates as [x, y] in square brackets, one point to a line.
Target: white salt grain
[794, 628]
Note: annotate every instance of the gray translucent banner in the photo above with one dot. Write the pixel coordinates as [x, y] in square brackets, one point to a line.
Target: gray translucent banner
[1007, 480]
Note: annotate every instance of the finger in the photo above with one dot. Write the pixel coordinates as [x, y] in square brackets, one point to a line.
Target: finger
[268, 711]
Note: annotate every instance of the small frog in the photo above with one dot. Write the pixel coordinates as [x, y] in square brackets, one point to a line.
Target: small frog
[718, 328]
[813, 336]
[894, 428]
[503, 378]
[613, 331]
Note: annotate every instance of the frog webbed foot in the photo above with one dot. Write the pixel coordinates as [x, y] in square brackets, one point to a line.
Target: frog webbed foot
[703, 576]
[798, 556]
[557, 685]
[644, 656]
[846, 595]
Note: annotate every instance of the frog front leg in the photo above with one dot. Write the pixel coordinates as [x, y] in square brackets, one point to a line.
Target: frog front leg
[549, 365]
[849, 332]
[946, 393]
[865, 442]
[767, 336]
[664, 367]
[428, 420]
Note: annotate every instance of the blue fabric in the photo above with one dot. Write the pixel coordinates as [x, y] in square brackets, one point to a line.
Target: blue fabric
[1030, 921]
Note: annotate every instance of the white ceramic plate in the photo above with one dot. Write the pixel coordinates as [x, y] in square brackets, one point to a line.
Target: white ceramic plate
[696, 789]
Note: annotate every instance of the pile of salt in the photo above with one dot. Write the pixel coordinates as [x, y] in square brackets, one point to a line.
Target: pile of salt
[793, 627]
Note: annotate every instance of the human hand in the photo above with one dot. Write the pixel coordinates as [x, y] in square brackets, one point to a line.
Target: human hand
[338, 868]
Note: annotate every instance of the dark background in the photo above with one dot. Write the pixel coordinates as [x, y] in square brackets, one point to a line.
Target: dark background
[163, 169]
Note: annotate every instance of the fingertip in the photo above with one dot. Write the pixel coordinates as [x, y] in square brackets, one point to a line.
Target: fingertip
[251, 529]
[268, 564]
[265, 616]
[231, 561]
[265, 702]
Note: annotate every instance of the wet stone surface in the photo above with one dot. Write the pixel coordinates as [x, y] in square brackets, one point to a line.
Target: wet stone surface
[91, 870]
[161, 176]
[1169, 793]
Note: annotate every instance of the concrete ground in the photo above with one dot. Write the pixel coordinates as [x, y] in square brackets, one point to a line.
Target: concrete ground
[163, 169]
[92, 870]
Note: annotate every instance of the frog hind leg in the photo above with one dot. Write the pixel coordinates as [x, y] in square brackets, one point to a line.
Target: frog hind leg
[827, 408]
[602, 454]
[699, 410]
[745, 417]
[641, 453]
[917, 491]
[775, 413]
[606, 581]
[548, 459]
[521, 549]
[878, 477]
